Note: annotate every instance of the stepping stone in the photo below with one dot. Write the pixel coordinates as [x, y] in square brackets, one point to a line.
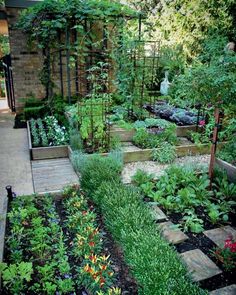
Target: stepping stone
[200, 266]
[172, 234]
[219, 235]
[229, 290]
[157, 213]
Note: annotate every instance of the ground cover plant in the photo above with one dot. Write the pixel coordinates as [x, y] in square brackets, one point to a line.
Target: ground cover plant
[47, 132]
[153, 263]
[183, 192]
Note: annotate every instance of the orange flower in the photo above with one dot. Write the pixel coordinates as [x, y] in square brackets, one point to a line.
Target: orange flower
[93, 258]
[105, 258]
[91, 244]
[102, 282]
[103, 267]
[95, 276]
[91, 271]
[86, 267]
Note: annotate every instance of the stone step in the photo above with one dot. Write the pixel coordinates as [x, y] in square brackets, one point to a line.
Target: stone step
[172, 234]
[157, 213]
[200, 266]
[229, 290]
[219, 235]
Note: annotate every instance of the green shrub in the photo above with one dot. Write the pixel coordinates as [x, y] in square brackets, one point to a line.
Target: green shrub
[33, 102]
[96, 169]
[75, 140]
[165, 154]
[34, 112]
[145, 139]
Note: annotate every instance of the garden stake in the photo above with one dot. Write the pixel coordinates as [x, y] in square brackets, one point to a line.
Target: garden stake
[214, 144]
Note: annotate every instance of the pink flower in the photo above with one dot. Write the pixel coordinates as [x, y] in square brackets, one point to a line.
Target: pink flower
[230, 245]
[202, 123]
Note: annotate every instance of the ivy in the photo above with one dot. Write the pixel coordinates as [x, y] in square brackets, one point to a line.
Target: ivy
[43, 20]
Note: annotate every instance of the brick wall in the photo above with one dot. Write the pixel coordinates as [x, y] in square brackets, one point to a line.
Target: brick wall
[26, 63]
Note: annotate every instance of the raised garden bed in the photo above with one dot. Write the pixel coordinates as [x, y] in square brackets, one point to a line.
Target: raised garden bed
[41, 153]
[229, 168]
[139, 155]
[127, 135]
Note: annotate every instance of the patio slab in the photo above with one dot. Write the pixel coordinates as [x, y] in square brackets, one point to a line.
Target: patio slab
[157, 213]
[174, 236]
[200, 266]
[229, 290]
[219, 235]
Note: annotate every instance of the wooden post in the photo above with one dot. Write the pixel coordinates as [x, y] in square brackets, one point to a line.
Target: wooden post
[214, 144]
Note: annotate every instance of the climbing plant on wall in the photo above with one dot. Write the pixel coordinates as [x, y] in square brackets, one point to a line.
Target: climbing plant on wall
[69, 26]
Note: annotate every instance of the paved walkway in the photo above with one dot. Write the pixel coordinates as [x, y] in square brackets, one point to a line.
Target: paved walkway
[53, 175]
[15, 166]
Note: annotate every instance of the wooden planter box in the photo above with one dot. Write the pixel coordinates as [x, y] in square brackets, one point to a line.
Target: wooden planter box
[146, 154]
[127, 135]
[229, 168]
[42, 153]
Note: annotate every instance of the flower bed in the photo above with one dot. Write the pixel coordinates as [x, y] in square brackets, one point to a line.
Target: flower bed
[56, 247]
[47, 139]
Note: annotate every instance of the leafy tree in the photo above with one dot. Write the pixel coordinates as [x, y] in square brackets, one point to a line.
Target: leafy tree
[211, 79]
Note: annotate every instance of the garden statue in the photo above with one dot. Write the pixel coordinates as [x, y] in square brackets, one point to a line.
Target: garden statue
[165, 84]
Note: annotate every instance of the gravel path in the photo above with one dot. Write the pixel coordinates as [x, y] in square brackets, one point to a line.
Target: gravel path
[158, 169]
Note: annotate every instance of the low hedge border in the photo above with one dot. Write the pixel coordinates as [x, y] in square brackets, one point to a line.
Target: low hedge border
[153, 262]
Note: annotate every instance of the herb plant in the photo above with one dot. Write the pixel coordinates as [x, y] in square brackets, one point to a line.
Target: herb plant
[165, 153]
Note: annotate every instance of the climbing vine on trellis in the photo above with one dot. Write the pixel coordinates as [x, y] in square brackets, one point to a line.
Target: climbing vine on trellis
[68, 26]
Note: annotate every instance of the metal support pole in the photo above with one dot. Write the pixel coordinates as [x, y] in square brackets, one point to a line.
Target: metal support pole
[139, 27]
[60, 64]
[76, 64]
[68, 64]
